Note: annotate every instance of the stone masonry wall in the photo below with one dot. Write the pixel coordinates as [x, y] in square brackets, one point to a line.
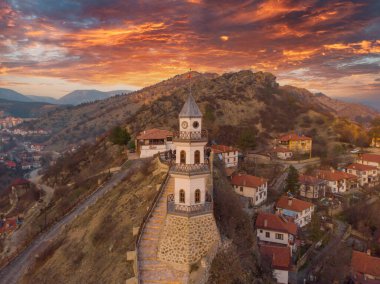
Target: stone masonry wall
[185, 240]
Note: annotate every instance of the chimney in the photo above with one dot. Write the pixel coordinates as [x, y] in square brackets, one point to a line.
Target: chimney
[369, 252]
[290, 201]
[265, 223]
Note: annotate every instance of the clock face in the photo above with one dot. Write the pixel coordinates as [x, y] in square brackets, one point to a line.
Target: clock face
[184, 125]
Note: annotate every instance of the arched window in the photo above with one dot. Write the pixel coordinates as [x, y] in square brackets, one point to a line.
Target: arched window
[197, 157]
[197, 196]
[183, 157]
[181, 196]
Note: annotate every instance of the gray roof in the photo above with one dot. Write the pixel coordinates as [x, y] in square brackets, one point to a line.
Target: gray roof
[190, 108]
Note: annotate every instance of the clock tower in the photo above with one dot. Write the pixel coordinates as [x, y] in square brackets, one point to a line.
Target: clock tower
[190, 229]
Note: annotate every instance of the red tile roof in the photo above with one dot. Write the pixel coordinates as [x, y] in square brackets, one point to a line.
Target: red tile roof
[20, 181]
[293, 137]
[281, 150]
[11, 164]
[223, 149]
[366, 264]
[334, 175]
[247, 180]
[276, 223]
[9, 225]
[371, 158]
[154, 134]
[361, 167]
[293, 204]
[305, 179]
[279, 255]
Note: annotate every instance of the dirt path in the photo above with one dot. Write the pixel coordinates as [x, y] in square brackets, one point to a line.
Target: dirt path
[14, 271]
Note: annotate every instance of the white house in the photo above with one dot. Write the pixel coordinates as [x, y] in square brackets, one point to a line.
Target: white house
[152, 141]
[276, 229]
[338, 181]
[255, 188]
[282, 153]
[230, 155]
[368, 175]
[369, 159]
[300, 211]
[280, 259]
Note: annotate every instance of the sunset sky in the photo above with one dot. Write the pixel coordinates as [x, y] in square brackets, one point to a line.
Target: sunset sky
[53, 47]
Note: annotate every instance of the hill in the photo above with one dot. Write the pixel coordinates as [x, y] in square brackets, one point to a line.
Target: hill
[43, 99]
[233, 103]
[26, 109]
[10, 95]
[84, 96]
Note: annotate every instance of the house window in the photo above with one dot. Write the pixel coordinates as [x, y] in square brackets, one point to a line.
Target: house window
[241, 189]
[197, 157]
[181, 196]
[197, 196]
[183, 157]
[279, 236]
[267, 234]
[261, 231]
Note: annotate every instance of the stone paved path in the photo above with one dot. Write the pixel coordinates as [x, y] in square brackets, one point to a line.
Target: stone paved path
[151, 269]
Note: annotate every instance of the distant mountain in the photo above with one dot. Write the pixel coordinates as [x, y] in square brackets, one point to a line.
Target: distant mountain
[10, 95]
[84, 96]
[355, 110]
[43, 99]
[370, 101]
[26, 109]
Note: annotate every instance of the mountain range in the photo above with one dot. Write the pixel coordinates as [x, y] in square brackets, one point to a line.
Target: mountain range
[232, 103]
[74, 98]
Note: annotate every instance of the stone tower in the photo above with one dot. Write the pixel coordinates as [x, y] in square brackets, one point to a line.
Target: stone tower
[190, 230]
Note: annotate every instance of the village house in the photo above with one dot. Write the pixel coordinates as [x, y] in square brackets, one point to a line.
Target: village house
[368, 175]
[298, 210]
[365, 269]
[375, 142]
[282, 153]
[370, 160]
[338, 181]
[152, 141]
[7, 226]
[276, 229]
[10, 165]
[312, 187]
[296, 143]
[36, 147]
[280, 259]
[252, 187]
[228, 154]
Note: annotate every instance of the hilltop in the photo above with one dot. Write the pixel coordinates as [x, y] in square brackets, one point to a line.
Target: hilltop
[231, 103]
[78, 97]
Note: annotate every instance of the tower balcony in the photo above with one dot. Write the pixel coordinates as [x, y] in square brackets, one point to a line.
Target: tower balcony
[190, 169]
[189, 210]
[191, 136]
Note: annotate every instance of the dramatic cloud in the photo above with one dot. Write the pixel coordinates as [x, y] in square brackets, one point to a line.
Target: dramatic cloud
[331, 46]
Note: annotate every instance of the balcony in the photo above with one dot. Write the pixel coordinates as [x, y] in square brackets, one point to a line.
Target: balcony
[190, 135]
[189, 210]
[190, 169]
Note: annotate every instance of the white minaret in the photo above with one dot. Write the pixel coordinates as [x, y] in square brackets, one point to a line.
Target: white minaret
[190, 171]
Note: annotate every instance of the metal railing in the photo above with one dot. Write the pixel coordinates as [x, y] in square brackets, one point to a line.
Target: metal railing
[189, 210]
[191, 135]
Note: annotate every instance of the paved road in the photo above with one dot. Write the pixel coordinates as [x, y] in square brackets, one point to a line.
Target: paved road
[329, 249]
[11, 273]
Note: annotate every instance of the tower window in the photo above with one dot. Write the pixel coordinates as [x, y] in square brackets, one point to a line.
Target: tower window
[197, 196]
[197, 157]
[181, 196]
[195, 124]
[183, 157]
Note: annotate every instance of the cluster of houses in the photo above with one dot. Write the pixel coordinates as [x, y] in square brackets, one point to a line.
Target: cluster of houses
[291, 144]
[23, 132]
[10, 121]
[26, 159]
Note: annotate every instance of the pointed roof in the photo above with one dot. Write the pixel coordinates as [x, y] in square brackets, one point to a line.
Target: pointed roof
[190, 108]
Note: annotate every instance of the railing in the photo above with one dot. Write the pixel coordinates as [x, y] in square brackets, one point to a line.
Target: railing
[190, 169]
[145, 221]
[190, 135]
[188, 210]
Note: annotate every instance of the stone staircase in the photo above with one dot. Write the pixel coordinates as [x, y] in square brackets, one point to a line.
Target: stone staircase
[151, 269]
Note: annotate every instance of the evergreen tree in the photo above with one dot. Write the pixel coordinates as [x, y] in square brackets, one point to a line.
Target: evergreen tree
[247, 139]
[119, 136]
[292, 184]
